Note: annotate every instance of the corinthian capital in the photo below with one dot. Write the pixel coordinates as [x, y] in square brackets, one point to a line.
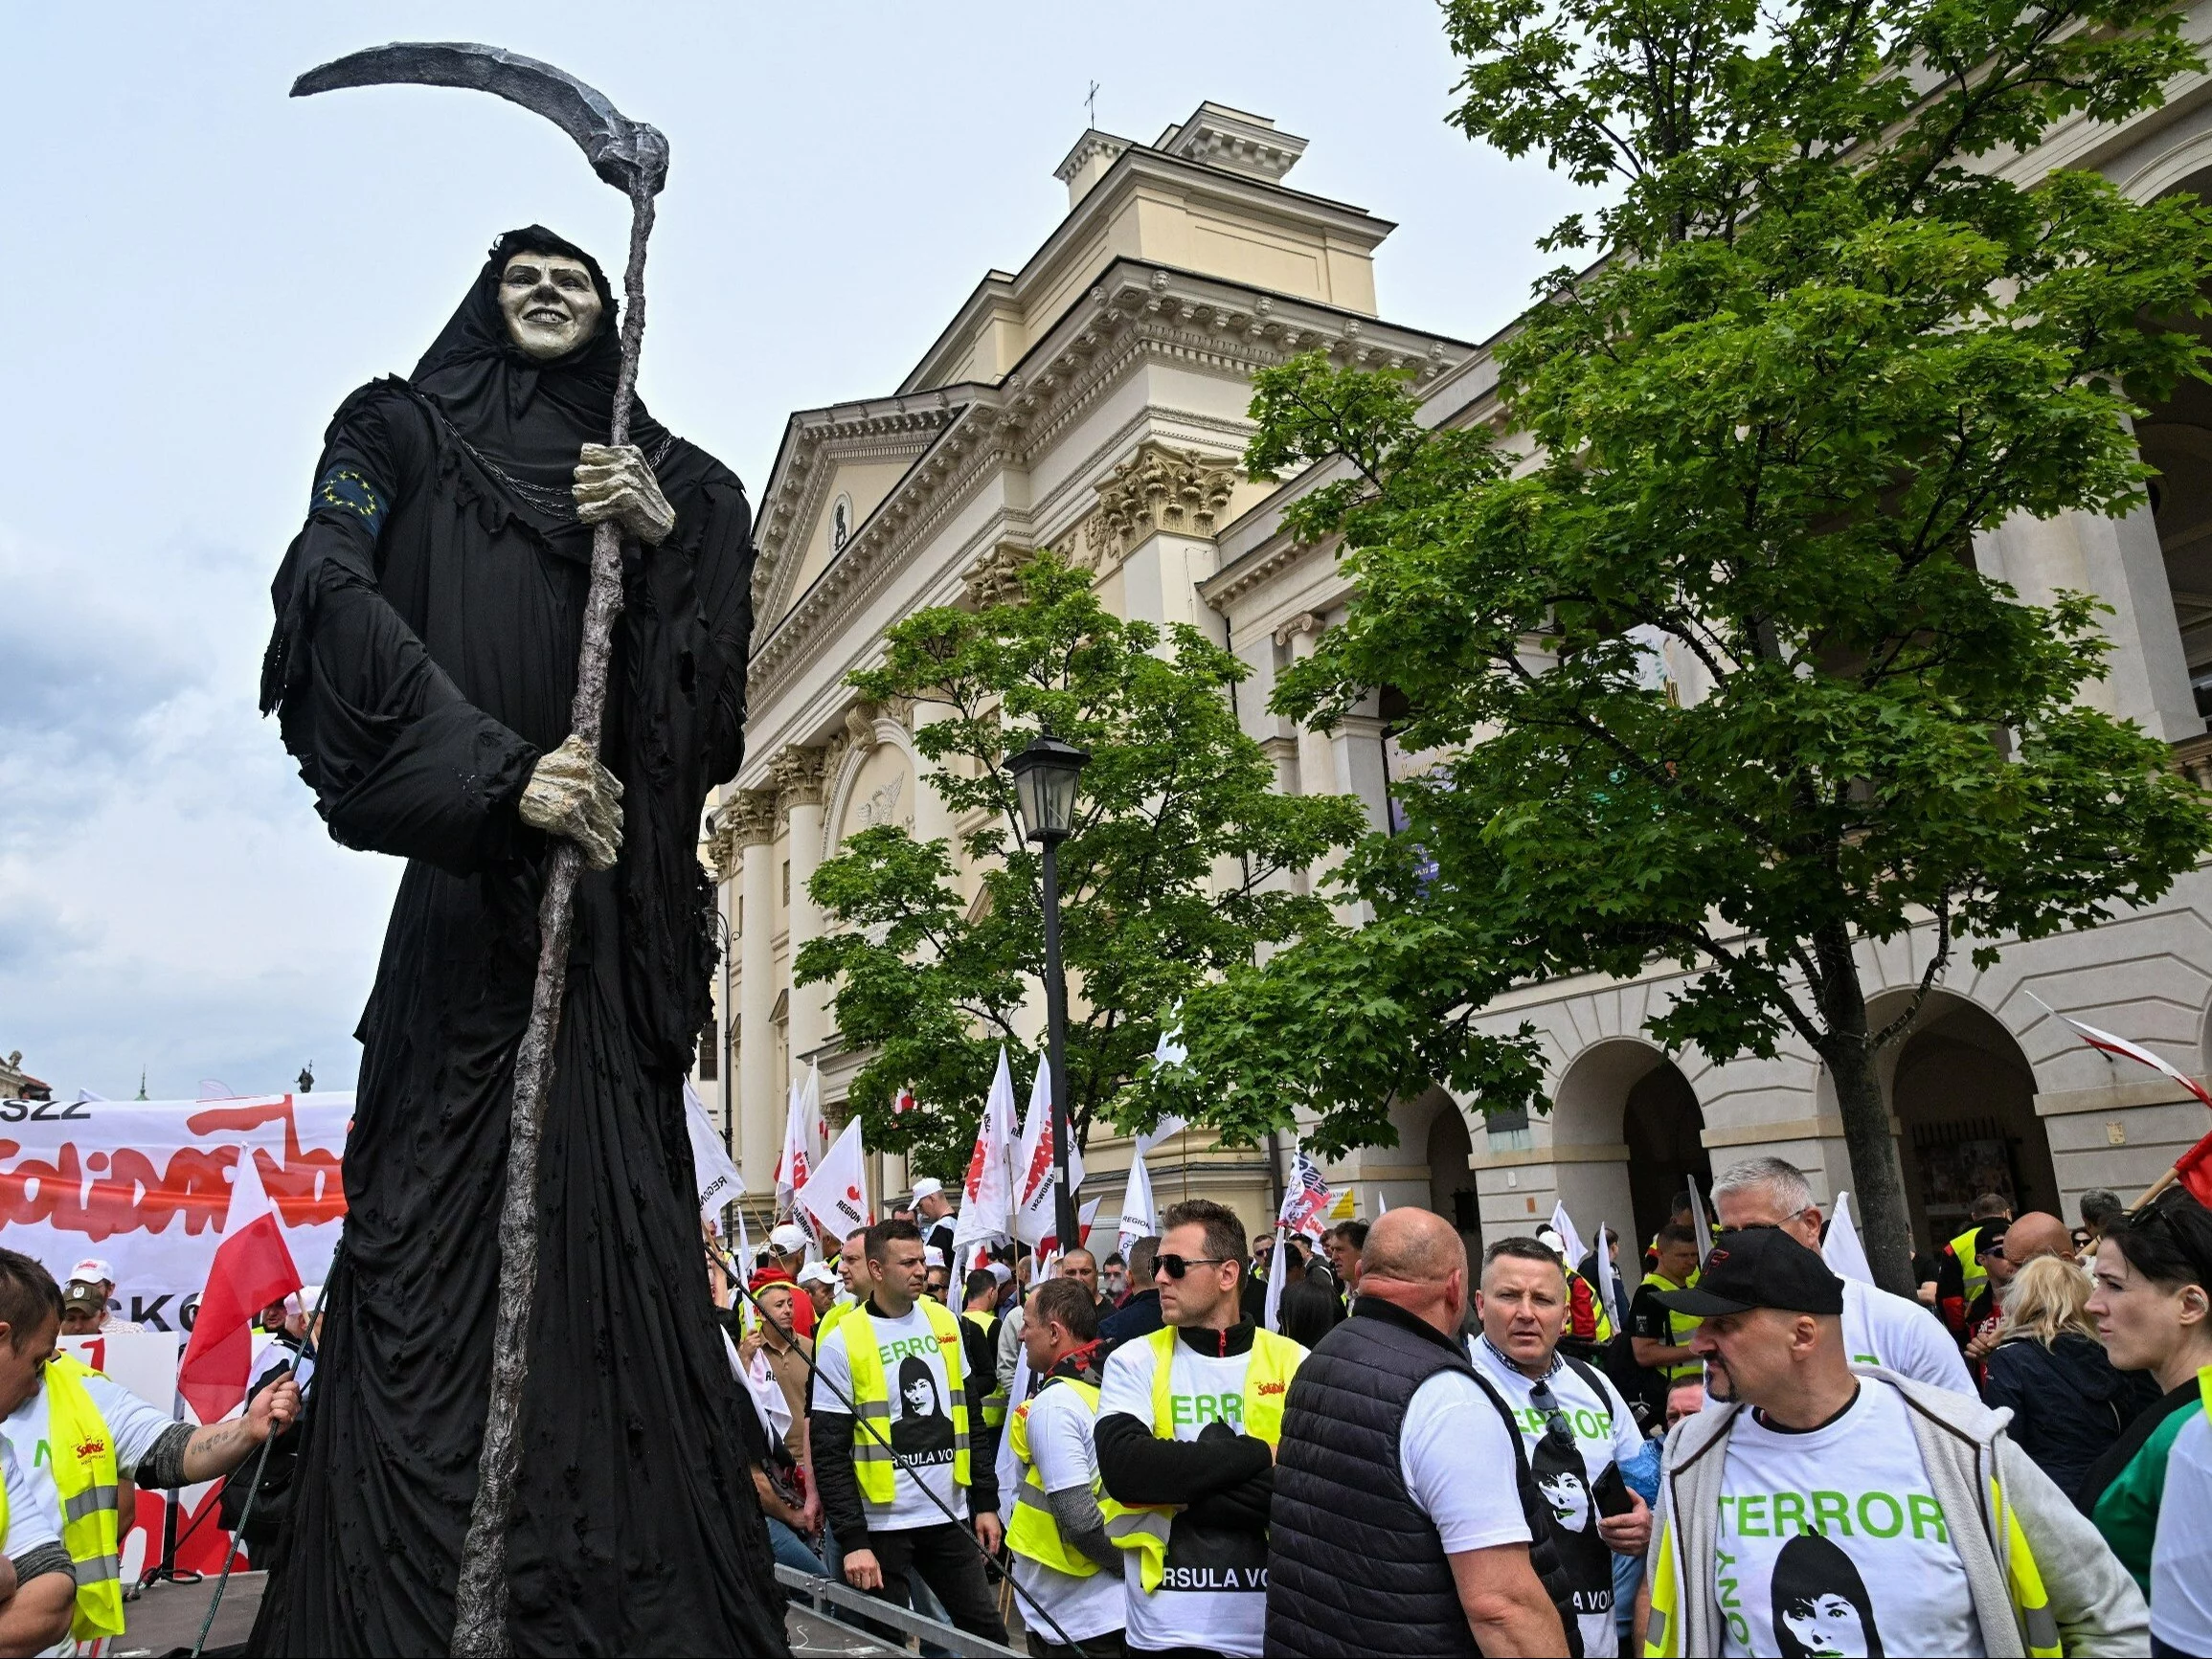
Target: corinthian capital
[749, 818]
[797, 774]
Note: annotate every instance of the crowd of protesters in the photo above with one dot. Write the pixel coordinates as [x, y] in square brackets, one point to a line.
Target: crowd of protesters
[1394, 1449]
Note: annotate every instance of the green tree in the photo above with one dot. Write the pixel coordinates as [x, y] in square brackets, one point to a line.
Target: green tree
[1179, 866]
[1718, 679]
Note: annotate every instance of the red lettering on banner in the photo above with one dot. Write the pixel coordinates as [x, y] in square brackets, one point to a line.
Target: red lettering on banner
[121, 1192]
[307, 1189]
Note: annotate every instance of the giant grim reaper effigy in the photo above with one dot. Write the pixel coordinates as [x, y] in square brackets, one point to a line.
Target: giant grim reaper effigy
[511, 648]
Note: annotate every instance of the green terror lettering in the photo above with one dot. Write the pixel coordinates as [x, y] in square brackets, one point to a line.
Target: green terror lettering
[906, 1347]
[1186, 1409]
[1872, 1514]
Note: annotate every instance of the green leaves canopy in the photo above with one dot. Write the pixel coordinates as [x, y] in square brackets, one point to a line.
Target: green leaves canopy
[1712, 672]
[1180, 866]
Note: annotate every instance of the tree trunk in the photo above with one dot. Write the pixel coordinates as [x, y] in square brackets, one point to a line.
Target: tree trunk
[1877, 1177]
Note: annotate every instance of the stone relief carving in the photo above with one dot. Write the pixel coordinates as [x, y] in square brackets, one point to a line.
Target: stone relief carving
[881, 807]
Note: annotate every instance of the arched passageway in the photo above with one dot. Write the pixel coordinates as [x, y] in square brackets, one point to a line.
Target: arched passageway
[1451, 1181]
[1964, 1096]
[1625, 1095]
[1665, 1129]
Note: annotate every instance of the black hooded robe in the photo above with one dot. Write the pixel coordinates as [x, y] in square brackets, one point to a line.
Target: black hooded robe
[429, 618]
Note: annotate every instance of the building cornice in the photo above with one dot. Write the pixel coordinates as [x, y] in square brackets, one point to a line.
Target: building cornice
[1248, 197]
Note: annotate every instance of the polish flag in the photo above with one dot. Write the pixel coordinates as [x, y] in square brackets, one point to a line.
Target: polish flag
[253, 1268]
[2193, 1169]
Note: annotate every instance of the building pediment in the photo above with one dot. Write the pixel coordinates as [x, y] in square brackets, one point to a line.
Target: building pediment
[1136, 312]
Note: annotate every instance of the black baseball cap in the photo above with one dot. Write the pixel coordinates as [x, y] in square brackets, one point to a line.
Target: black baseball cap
[1758, 1268]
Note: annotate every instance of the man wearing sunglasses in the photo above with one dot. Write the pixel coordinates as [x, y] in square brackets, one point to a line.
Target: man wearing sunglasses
[1573, 1423]
[1188, 1419]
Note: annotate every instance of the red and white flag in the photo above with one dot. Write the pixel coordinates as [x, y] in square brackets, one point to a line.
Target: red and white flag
[904, 1102]
[987, 1197]
[1140, 1218]
[836, 1194]
[2193, 1169]
[805, 1137]
[253, 1268]
[1049, 1247]
[1034, 1165]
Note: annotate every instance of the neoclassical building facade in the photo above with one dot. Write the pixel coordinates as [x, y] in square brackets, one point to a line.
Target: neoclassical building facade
[1095, 402]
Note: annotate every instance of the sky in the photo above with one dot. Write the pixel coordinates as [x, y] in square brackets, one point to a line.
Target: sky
[203, 269]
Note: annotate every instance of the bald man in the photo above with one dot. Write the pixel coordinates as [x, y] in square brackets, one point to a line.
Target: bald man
[1390, 1451]
[2035, 1233]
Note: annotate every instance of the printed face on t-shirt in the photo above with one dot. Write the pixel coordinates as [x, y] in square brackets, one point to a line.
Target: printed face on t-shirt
[1820, 1605]
[1569, 1497]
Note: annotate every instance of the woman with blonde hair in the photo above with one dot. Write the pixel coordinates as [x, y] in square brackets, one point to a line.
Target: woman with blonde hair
[2068, 1402]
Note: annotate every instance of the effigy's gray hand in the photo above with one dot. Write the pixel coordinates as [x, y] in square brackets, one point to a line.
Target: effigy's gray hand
[615, 482]
[570, 794]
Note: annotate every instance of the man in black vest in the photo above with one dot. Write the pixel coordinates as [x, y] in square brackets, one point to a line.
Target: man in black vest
[1391, 1530]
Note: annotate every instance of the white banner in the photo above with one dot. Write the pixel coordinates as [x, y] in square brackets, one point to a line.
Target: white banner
[146, 1185]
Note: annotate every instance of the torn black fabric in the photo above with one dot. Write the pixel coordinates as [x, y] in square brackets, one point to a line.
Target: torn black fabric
[428, 621]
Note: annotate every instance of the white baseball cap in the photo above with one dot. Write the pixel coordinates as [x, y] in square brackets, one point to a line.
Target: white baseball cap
[928, 1187]
[999, 1272]
[91, 1271]
[932, 1256]
[787, 1239]
[817, 1273]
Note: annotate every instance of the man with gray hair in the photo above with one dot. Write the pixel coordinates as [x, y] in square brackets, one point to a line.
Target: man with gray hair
[1879, 1328]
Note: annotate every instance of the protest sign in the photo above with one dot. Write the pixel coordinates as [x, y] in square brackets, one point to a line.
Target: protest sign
[146, 1185]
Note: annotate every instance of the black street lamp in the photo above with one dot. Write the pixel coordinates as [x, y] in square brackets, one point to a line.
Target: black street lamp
[1045, 778]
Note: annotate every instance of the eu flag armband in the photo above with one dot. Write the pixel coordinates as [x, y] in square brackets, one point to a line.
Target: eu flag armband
[345, 489]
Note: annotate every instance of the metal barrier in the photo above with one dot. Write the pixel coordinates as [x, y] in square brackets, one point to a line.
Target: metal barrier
[825, 1597]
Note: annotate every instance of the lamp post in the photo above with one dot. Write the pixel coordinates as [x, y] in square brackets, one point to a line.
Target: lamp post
[1045, 778]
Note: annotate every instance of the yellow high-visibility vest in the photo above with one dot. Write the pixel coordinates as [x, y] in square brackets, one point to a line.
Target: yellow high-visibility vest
[1035, 1532]
[85, 1480]
[1679, 1329]
[872, 1460]
[1970, 1265]
[995, 1401]
[1145, 1526]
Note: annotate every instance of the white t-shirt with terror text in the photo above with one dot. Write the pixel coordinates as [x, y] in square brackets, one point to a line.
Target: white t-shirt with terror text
[1213, 1594]
[921, 1413]
[1832, 1541]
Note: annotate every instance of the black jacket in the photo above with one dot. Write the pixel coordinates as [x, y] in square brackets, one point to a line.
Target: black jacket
[1355, 1565]
[1225, 1479]
[2069, 1403]
[1139, 1317]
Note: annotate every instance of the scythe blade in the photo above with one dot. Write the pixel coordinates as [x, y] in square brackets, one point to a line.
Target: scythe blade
[628, 154]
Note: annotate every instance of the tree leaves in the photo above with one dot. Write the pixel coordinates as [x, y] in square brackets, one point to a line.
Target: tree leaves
[1718, 677]
[1181, 865]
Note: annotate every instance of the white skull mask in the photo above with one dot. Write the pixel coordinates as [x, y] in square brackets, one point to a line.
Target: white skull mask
[550, 301]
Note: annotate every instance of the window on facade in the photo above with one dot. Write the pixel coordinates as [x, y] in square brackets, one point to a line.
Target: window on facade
[710, 1045]
[787, 882]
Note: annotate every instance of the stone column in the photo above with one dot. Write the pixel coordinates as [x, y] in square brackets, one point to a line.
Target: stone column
[1327, 762]
[1316, 755]
[752, 821]
[797, 773]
